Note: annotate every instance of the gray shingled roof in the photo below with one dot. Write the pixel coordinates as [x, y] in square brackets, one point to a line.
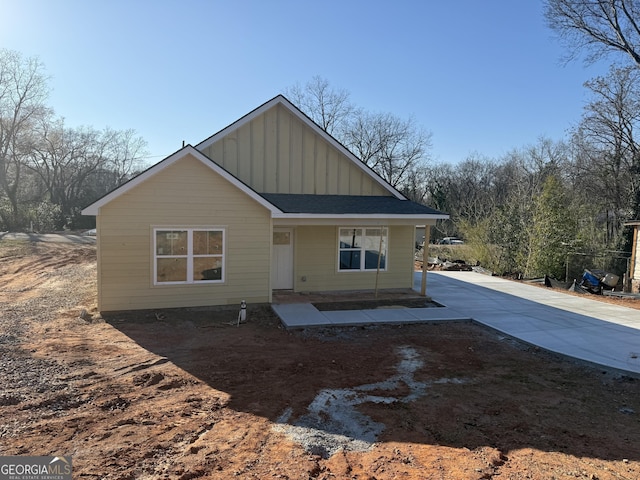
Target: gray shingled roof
[346, 204]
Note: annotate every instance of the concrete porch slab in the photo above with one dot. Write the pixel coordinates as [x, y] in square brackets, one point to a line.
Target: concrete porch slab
[302, 315]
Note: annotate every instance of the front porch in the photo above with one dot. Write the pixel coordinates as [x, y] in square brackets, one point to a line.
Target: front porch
[357, 307]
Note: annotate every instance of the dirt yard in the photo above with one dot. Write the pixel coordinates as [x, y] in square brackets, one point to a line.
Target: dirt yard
[187, 394]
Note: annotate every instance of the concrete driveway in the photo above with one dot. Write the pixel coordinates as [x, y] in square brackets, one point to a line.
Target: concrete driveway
[576, 326]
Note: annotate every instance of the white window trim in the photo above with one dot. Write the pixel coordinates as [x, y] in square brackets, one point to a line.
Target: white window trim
[363, 250]
[190, 256]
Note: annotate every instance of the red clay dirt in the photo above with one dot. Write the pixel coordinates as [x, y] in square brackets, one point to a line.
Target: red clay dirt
[183, 394]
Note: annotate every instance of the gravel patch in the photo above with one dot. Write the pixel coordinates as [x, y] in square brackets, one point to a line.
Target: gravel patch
[61, 284]
[333, 422]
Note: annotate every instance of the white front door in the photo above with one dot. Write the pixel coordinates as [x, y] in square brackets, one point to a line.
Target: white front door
[282, 261]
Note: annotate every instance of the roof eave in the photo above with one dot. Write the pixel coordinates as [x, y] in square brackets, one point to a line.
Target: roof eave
[355, 216]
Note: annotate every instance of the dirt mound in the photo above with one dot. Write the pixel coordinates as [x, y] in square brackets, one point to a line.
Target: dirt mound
[186, 394]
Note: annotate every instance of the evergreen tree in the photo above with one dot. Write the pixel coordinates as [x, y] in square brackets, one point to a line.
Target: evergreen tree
[551, 232]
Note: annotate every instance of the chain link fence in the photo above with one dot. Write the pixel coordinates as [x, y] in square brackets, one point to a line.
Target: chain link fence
[611, 262]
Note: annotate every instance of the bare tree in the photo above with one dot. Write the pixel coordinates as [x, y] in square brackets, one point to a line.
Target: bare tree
[611, 117]
[394, 148]
[474, 188]
[545, 158]
[416, 187]
[124, 151]
[67, 159]
[607, 158]
[23, 91]
[63, 159]
[596, 27]
[440, 177]
[330, 108]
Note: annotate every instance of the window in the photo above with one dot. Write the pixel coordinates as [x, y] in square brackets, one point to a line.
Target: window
[282, 238]
[362, 248]
[188, 255]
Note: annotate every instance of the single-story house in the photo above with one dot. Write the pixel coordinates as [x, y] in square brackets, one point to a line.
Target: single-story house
[271, 202]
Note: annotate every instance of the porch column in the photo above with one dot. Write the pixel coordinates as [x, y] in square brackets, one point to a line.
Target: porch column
[634, 246]
[425, 251]
[631, 270]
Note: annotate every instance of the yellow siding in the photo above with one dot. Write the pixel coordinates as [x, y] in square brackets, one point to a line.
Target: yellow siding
[230, 152]
[332, 174]
[367, 186]
[270, 153]
[320, 171]
[256, 147]
[343, 177]
[308, 161]
[244, 153]
[296, 157]
[317, 260]
[187, 194]
[278, 153]
[284, 148]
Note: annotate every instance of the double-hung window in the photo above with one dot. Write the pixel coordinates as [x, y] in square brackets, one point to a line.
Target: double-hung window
[188, 255]
[362, 248]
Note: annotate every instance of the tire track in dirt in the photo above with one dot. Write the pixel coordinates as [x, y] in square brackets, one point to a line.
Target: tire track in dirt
[24, 276]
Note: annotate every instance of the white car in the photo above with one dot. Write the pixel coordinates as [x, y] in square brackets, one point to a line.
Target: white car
[450, 241]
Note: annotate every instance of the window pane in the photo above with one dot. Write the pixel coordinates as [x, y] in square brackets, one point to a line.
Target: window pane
[207, 268]
[372, 239]
[281, 238]
[172, 270]
[371, 260]
[171, 242]
[350, 260]
[374, 244]
[207, 242]
[350, 237]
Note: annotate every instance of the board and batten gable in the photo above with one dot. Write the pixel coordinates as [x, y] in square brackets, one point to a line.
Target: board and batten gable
[316, 261]
[276, 152]
[184, 194]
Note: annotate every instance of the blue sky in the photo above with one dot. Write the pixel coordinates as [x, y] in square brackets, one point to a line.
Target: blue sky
[482, 76]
